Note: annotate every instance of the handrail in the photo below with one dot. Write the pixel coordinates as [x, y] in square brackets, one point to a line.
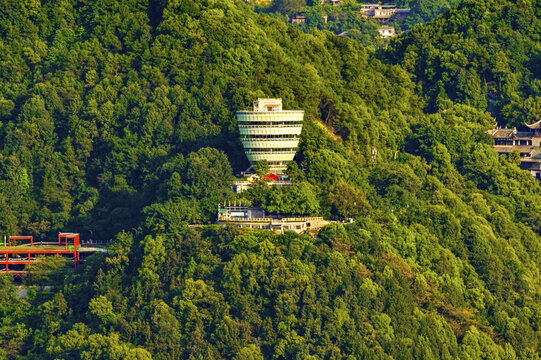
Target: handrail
[289, 219]
[269, 126]
[270, 112]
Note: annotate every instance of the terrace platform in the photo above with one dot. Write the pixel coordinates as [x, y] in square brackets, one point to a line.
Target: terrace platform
[23, 250]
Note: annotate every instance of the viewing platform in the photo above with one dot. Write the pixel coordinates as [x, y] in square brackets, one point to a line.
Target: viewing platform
[18, 251]
[255, 218]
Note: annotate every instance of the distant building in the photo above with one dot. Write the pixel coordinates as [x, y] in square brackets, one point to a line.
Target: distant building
[298, 19]
[332, 2]
[255, 218]
[270, 133]
[386, 31]
[383, 12]
[527, 143]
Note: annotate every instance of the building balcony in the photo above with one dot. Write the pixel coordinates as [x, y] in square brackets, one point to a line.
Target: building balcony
[267, 144]
[270, 130]
[285, 115]
[254, 157]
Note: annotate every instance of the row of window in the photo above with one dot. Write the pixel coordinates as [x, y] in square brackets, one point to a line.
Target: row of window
[271, 150]
[512, 142]
[266, 136]
[269, 123]
[268, 227]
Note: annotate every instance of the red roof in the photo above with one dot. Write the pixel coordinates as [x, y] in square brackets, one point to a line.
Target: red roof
[271, 177]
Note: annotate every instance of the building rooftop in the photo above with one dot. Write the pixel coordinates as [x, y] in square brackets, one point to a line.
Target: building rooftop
[268, 105]
[501, 133]
[535, 126]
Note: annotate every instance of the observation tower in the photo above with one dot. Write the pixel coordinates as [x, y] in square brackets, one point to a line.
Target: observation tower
[270, 133]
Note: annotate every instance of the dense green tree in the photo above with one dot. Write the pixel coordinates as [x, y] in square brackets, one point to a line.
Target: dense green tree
[117, 121]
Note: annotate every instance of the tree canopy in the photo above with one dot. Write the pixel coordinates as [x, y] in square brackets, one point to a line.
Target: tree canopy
[117, 121]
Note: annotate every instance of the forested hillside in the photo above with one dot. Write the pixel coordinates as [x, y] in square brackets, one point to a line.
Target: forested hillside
[118, 121]
[348, 19]
[480, 48]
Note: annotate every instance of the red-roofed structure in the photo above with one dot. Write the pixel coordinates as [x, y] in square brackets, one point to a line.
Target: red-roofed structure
[271, 177]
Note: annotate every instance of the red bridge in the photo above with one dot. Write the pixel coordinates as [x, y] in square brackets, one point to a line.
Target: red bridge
[14, 256]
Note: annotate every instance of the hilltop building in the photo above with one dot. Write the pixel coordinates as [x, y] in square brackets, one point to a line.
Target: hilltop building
[270, 133]
[526, 142]
[255, 218]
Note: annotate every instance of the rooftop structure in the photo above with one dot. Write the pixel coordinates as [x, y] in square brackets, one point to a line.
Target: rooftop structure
[527, 143]
[255, 218]
[270, 133]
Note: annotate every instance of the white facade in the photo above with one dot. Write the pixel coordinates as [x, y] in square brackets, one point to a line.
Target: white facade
[386, 32]
[270, 133]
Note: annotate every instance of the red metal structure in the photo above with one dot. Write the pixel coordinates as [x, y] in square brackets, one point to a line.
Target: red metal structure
[17, 256]
[31, 238]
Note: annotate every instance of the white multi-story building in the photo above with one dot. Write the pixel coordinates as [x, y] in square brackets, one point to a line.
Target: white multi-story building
[270, 133]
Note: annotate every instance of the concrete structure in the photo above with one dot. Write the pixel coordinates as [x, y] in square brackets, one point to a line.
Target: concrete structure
[255, 218]
[386, 31]
[270, 133]
[526, 142]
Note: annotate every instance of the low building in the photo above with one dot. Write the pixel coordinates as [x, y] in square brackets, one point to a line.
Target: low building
[386, 31]
[526, 142]
[332, 2]
[255, 218]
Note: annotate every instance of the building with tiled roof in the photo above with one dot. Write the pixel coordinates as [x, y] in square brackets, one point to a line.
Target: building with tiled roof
[527, 143]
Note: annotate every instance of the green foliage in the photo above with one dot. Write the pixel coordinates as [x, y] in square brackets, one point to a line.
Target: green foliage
[462, 57]
[46, 269]
[262, 168]
[118, 120]
[289, 7]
